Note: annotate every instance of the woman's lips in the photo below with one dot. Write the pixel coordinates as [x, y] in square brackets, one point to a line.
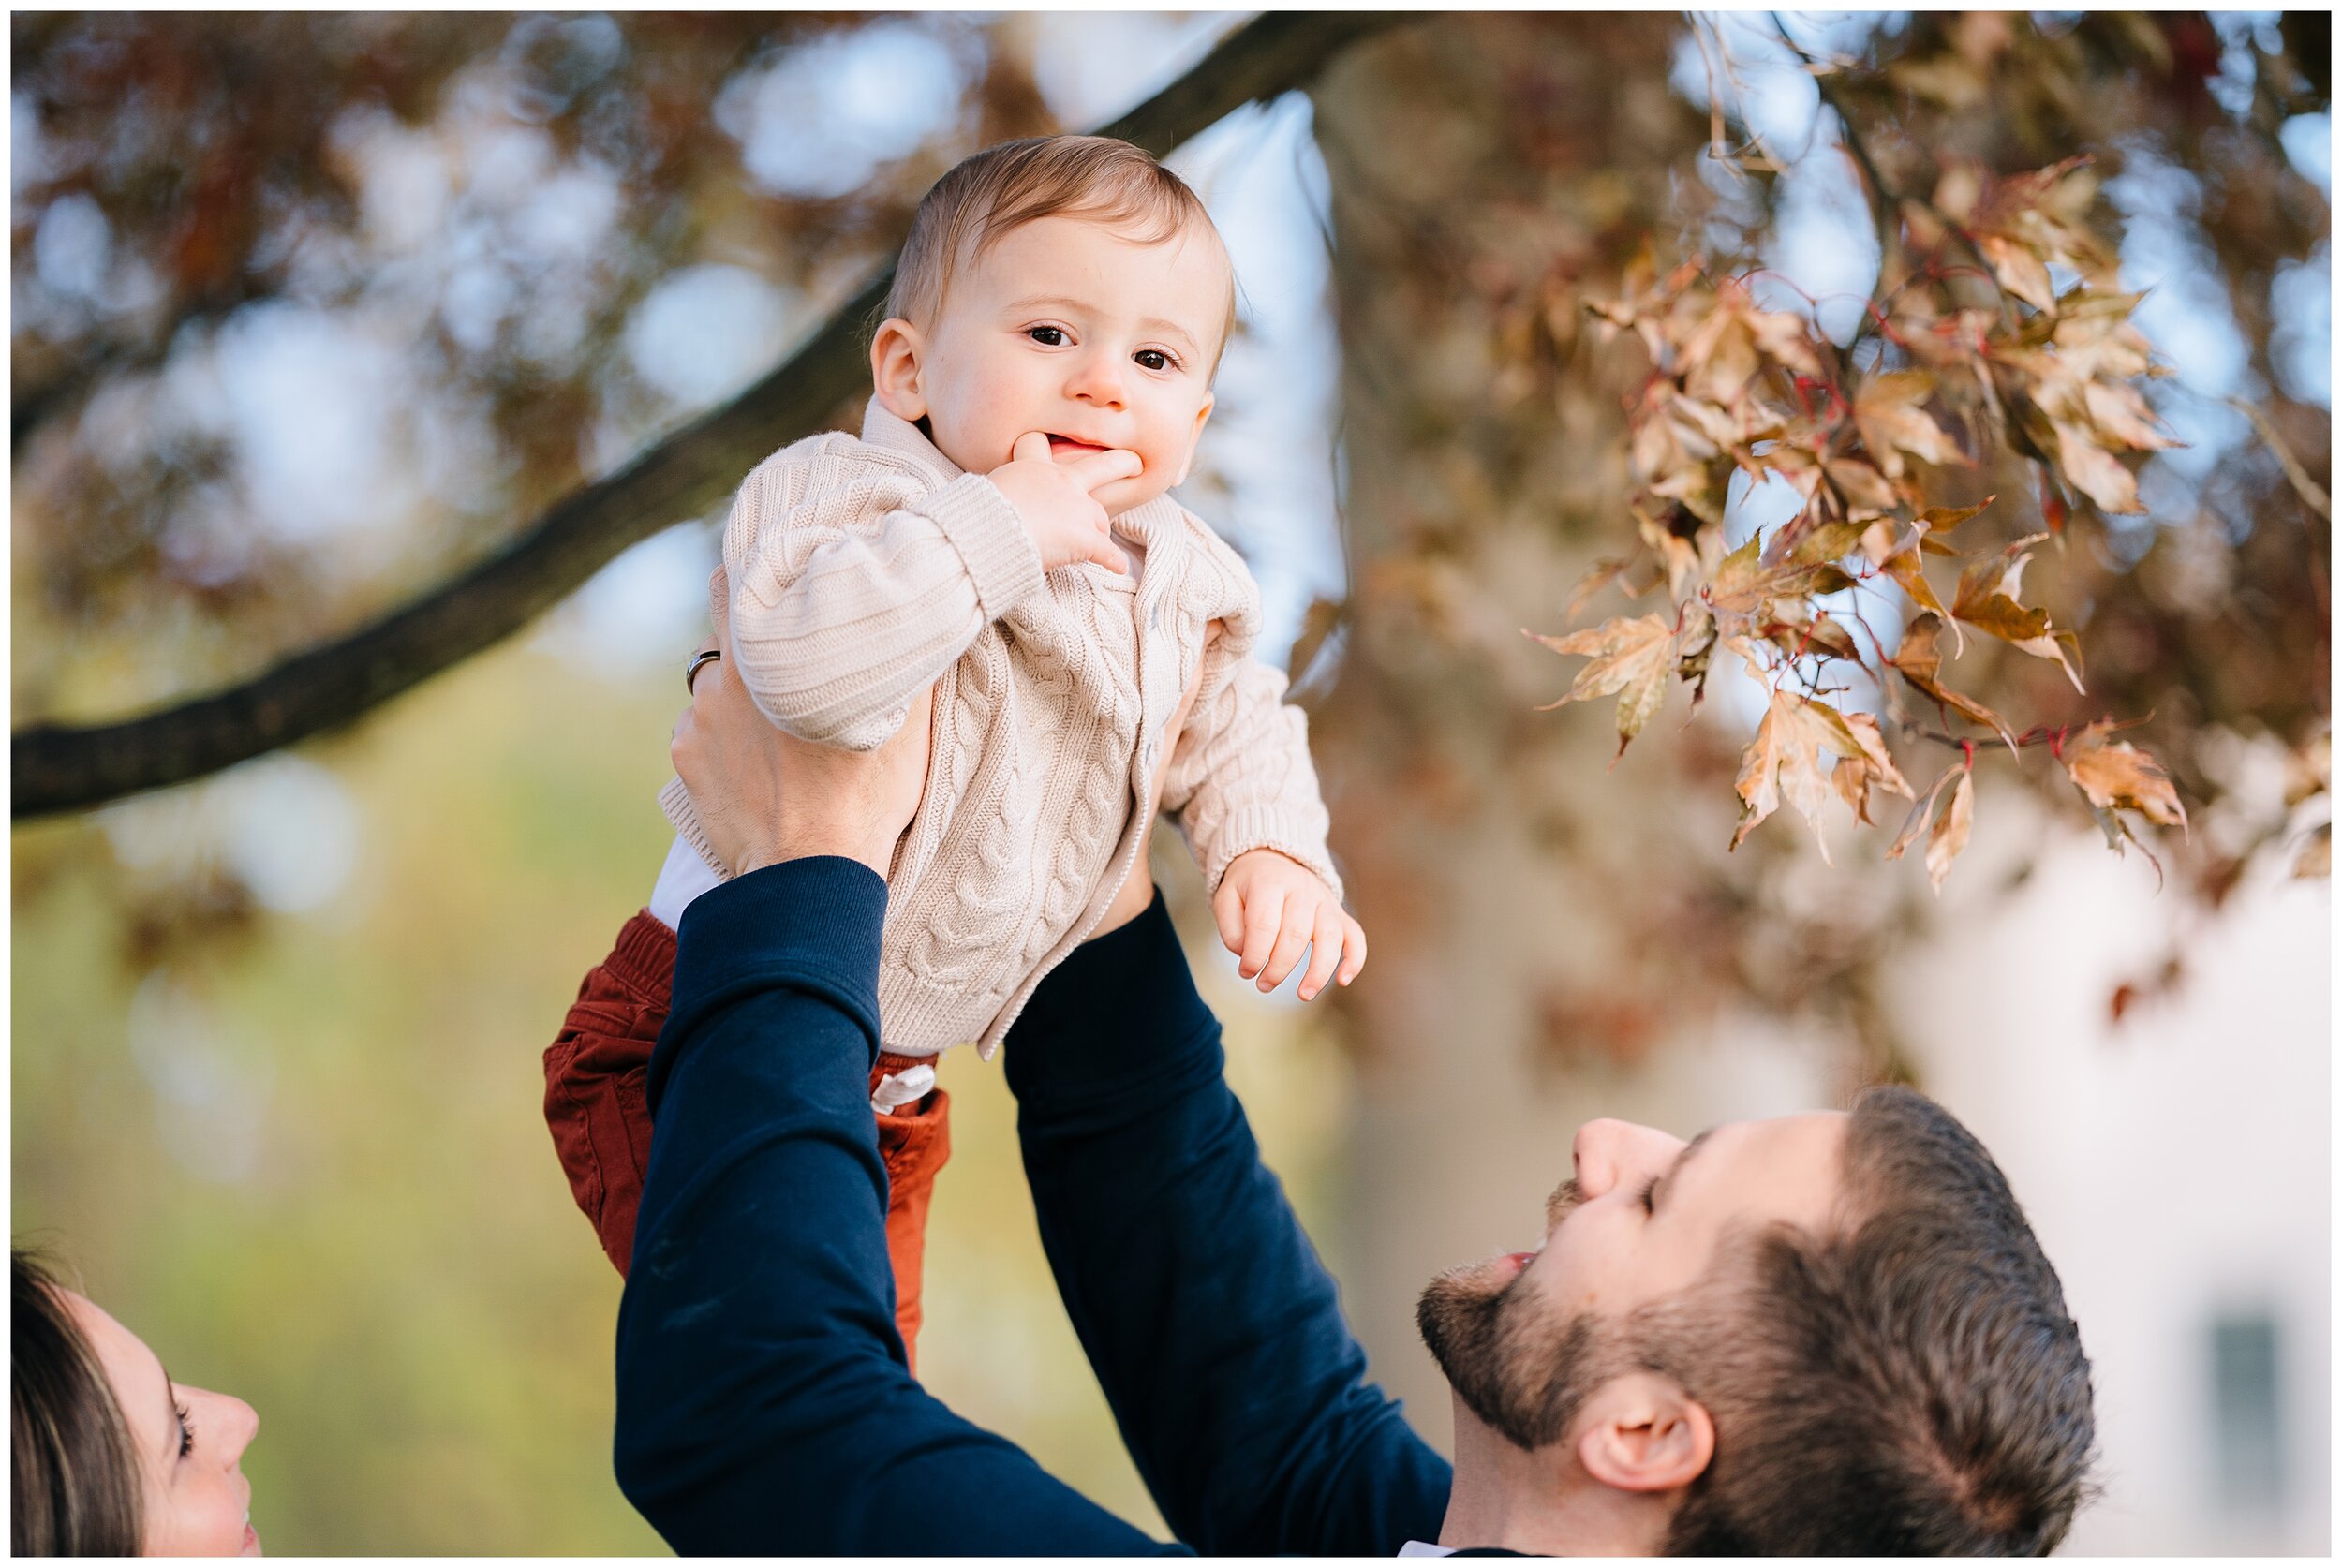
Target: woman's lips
[1513, 1263]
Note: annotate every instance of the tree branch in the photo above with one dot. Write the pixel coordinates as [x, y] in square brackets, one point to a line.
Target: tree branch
[60, 768]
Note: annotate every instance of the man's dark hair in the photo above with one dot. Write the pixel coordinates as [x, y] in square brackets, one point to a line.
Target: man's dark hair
[1908, 1383]
[73, 1482]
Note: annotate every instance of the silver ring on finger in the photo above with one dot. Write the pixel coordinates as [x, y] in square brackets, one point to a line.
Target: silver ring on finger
[691, 671]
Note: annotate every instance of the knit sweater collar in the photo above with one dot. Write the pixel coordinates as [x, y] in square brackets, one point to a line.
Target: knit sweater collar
[882, 428]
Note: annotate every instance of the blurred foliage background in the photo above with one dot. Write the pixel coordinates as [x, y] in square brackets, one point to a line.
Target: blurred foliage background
[312, 311]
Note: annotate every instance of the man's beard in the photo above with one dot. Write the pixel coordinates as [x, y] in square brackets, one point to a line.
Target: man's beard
[1515, 1362]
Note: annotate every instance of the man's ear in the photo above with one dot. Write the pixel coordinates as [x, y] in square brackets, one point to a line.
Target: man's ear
[896, 354]
[1642, 1433]
[1201, 415]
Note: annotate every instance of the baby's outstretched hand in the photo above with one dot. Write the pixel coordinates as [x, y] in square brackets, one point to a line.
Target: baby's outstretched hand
[1270, 908]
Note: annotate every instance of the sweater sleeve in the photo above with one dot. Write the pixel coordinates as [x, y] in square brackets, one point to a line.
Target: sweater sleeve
[1213, 1327]
[852, 584]
[763, 1401]
[1241, 778]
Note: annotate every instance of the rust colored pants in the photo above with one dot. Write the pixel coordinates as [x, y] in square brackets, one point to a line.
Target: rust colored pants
[601, 1125]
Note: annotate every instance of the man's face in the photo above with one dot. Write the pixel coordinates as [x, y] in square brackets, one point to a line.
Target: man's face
[1095, 339]
[1525, 1336]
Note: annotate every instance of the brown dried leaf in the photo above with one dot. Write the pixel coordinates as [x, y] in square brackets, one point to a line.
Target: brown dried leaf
[1904, 569]
[2116, 775]
[1865, 489]
[1783, 760]
[1951, 833]
[1987, 601]
[1639, 698]
[1718, 364]
[1758, 785]
[1922, 809]
[1786, 337]
[2093, 471]
[2118, 410]
[1919, 661]
[2020, 271]
[1629, 656]
[1739, 573]
[2061, 646]
[1887, 411]
[1942, 520]
[1678, 556]
[1875, 762]
[1852, 782]
[1831, 541]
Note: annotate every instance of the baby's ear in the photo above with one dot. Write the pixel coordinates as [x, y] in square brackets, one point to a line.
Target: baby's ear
[1201, 415]
[896, 354]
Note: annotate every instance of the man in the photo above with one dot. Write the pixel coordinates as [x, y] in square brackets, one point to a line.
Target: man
[1829, 1333]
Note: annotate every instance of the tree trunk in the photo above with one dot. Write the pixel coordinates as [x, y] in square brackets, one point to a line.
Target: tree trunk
[1491, 173]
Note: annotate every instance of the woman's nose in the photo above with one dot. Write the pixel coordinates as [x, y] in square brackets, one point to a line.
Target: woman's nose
[234, 1421]
[1609, 1151]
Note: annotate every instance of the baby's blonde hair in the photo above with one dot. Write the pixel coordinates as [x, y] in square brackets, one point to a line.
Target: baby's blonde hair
[1005, 187]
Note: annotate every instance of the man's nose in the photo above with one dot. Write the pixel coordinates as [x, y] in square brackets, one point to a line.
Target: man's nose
[234, 1421]
[1609, 1151]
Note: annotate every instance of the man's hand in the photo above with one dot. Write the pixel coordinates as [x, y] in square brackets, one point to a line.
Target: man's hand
[764, 796]
[1057, 503]
[1270, 908]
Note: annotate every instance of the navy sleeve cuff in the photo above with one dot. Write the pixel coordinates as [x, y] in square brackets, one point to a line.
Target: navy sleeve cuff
[1121, 1013]
[812, 924]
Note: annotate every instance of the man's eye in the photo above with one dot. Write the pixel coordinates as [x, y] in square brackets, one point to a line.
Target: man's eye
[1650, 1190]
[1153, 359]
[1051, 337]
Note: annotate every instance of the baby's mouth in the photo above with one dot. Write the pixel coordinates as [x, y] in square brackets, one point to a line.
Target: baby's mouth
[1063, 447]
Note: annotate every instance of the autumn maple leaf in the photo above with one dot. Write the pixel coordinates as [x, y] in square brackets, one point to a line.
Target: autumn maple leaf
[1888, 414]
[2116, 775]
[1630, 657]
[1950, 834]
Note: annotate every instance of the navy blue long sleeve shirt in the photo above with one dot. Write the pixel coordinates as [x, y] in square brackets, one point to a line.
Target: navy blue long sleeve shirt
[764, 1402]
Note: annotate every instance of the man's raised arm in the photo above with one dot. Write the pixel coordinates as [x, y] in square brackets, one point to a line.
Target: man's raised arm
[1213, 1326]
[764, 1402]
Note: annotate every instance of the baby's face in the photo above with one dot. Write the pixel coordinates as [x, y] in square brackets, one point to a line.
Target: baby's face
[1095, 339]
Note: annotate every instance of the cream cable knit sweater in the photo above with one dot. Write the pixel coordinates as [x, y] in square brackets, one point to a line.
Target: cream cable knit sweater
[861, 570]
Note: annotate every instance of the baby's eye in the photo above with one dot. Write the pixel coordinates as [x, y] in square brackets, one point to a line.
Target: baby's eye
[1154, 358]
[1050, 337]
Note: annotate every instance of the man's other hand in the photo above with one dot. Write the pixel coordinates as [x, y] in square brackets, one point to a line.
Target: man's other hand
[764, 796]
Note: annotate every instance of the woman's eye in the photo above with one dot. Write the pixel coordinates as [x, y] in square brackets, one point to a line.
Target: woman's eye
[1049, 338]
[1153, 359]
[186, 1429]
[1650, 1190]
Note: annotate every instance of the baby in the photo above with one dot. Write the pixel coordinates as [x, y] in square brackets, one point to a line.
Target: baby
[1001, 533]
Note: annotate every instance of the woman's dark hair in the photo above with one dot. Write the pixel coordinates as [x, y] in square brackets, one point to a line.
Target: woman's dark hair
[73, 1479]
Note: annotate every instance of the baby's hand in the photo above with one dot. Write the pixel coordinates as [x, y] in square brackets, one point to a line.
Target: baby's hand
[1270, 908]
[1054, 499]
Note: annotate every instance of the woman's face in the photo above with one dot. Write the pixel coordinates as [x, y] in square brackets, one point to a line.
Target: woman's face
[189, 1444]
